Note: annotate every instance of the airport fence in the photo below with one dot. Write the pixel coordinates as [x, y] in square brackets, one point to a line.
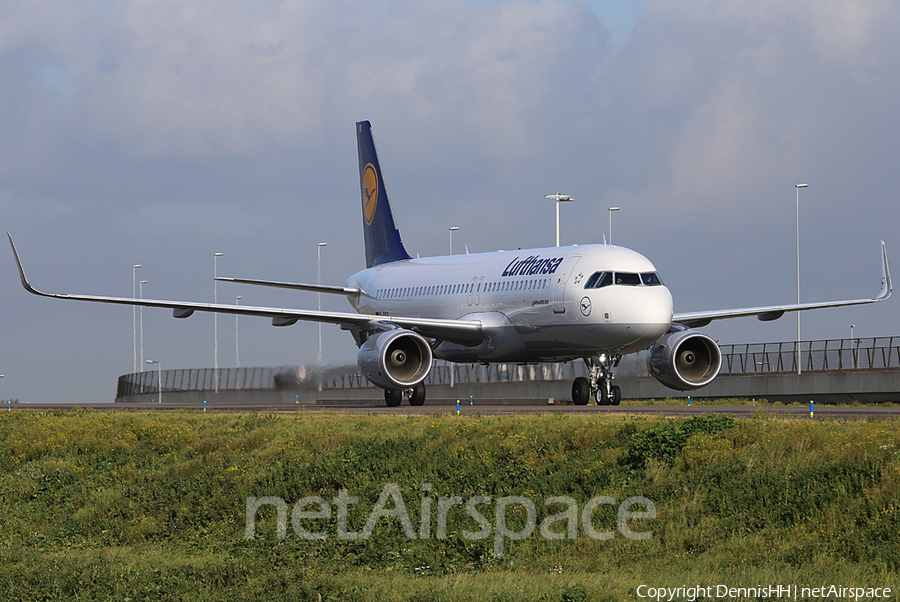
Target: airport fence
[304, 378]
[875, 353]
[862, 354]
[447, 373]
[205, 379]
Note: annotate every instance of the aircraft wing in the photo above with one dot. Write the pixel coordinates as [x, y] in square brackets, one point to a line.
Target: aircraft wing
[463, 332]
[315, 288]
[773, 312]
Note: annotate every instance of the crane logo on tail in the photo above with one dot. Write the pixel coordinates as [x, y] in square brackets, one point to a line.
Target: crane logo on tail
[370, 192]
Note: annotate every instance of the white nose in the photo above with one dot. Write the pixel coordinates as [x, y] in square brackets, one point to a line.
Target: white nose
[646, 305]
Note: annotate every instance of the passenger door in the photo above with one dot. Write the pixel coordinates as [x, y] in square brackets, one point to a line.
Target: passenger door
[563, 275]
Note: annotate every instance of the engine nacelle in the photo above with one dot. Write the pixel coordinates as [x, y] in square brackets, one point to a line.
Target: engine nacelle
[395, 359]
[685, 360]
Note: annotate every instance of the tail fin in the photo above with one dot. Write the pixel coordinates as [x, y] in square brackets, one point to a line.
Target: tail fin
[383, 244]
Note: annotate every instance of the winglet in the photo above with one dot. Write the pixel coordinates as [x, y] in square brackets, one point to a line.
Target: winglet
[886, 287]
[25, 283]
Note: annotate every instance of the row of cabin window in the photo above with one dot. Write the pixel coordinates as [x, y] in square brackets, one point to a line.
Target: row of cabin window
[452, 289]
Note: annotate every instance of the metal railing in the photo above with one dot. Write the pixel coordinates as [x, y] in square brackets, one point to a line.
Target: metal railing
[304, 377]
[204, 379]
[445, 373]
[878, 353]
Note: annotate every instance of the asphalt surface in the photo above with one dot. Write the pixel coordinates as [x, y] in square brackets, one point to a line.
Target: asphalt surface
[485, 408]
[821, 412]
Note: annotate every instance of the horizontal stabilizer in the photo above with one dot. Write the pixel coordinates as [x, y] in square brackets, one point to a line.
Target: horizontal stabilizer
[314, 288]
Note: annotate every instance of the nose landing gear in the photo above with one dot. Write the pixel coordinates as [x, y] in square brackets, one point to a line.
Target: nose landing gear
[600, 383]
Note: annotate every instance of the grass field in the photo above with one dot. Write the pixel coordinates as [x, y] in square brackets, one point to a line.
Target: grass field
[145, 506]
[746, 401]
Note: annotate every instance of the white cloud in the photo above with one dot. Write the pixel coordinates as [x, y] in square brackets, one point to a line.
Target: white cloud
[193, 122]
[206, 79]
[851, 30]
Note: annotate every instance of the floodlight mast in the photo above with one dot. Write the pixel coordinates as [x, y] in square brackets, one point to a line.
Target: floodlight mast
[611, 209]
[216, 317]
[319, 300]
[559, 198]
[798, 187]
[158, 379]
[134, 315]
[452, 230]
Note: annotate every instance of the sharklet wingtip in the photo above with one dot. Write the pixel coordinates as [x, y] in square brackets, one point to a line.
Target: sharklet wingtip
[22, 277]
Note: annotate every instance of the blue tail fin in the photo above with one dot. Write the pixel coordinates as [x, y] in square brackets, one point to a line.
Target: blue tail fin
[383, 244]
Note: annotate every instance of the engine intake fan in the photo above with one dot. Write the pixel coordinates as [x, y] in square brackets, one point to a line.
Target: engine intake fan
[395, 359]
[685, 360]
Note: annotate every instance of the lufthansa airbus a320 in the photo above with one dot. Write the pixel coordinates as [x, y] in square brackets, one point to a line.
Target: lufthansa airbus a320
[593, 302]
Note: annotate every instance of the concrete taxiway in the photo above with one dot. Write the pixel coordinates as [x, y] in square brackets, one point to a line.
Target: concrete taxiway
[498, 407]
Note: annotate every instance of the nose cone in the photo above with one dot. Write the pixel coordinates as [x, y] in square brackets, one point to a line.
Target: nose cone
[660, 307]
[639, 304]
[642, 315]
[651, 315]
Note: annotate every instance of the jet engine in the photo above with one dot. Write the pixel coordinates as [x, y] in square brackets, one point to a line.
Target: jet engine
[395, 359]
[684, 360]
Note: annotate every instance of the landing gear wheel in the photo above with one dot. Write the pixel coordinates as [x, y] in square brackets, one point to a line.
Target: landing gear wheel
[581, 391]
[417, 395]
[602, 397]
[392, 397]
[601, 377]
[616, 395]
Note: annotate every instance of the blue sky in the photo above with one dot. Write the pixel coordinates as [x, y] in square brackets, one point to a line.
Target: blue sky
[161, 133]
[619, 16]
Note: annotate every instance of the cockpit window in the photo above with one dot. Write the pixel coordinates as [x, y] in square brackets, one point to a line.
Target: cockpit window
[651, 279]
[627, 279]
[599, 280]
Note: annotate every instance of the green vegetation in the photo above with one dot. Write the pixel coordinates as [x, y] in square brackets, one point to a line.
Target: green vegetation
[747, 401]
[145, 506]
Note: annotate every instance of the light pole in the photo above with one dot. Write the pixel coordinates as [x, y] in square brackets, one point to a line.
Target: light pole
[237, 351]
[134, 316]
[158, 380]
[611, 209]
[559, 198]
[852, 326]
[319, 299]
[452, 230]
[216, 319]
[798, 187]
[142, 283]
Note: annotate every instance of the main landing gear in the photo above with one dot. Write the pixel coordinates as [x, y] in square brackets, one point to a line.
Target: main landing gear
[416, 396]
[600, 383]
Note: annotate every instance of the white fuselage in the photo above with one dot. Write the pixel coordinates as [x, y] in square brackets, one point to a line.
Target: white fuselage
[534, 304]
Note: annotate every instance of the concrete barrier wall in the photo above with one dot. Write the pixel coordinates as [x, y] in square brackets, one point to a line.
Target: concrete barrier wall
[844, 387]
[822, 387]
[839, 370]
